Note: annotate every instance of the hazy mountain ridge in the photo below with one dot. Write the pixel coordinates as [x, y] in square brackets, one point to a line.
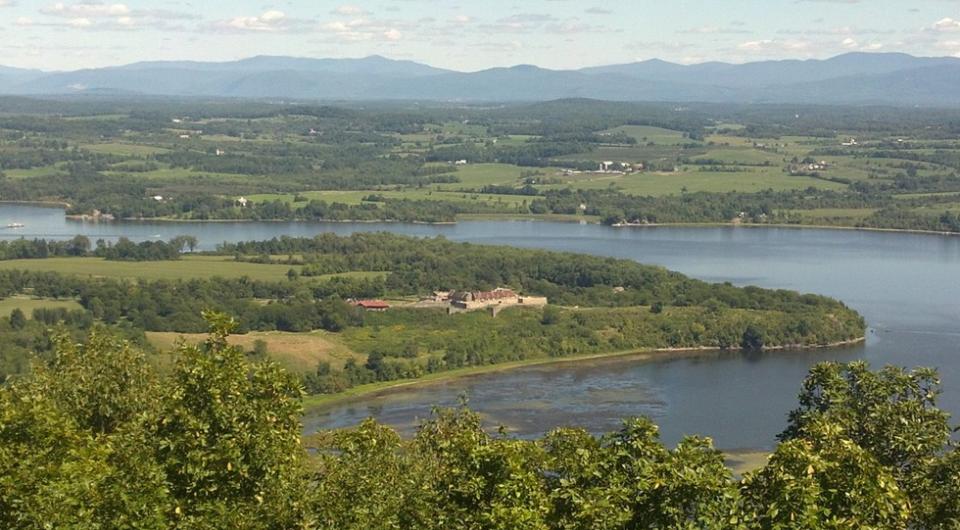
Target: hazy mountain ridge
[856, 78]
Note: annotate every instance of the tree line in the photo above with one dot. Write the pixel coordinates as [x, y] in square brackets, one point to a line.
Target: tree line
[80, 246]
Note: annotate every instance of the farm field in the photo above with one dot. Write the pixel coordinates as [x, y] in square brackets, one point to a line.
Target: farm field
[521, 161]
[28, 304]
[692, 180]
[356, 197]
[125, 149]
[646, 134]
[299, 352]
[479, 175]
[185, 268]
[41, 171]
[188, 267]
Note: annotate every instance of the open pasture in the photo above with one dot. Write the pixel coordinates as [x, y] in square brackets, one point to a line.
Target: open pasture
[299, 352]
[28, 304]
[186, 268]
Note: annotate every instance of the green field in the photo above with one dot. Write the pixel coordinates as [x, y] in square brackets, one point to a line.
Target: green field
[185, 268]
[42, 171]
[743, 156]
[354, 152]
[173, 175]
[645, 134]
[124, 149]
[692, 180]
[356, 197]
[300, 352]
[479, 175]
[638, 153]
[188, 267]
[28, 304]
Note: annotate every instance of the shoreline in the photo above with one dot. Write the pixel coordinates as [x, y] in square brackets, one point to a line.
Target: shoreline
[313, 402]
[794, 226]
[90, 219]
[40, 204]
[488, 217]
[83, 218]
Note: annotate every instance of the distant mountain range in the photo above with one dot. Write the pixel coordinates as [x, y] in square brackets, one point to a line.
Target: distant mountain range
[855, 78]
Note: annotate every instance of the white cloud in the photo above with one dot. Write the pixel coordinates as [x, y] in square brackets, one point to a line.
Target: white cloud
[946, 24]
[90, 15]
[850, 43]
[80, 22]
[714, 30]
[773, 45]
[951, 47]
[532, 23]
[364, 29]
[86, 10]
[269, 21]
[349, 10]
[23, 21]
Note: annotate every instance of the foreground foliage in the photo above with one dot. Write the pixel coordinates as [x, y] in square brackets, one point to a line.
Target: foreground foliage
[98, 439]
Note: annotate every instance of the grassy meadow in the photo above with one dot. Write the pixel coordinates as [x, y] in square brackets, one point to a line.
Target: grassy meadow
[28, 304]
[299, 352]
[185, 268]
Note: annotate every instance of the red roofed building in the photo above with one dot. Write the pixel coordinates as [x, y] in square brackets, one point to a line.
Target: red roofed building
[372, 305]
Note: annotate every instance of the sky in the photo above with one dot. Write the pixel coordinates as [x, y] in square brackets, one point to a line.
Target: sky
[470, 35]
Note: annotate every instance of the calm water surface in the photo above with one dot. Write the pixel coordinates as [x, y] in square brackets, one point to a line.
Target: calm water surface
[906, 285]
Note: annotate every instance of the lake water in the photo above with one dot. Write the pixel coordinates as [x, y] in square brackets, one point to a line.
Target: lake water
[906, 285]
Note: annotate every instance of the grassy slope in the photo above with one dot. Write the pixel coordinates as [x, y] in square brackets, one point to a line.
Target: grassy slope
[299, 352]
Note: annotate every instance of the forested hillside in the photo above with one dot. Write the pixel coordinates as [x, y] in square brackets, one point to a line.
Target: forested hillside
[98, 438]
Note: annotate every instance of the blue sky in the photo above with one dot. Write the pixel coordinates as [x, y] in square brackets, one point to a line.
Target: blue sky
[470, 35]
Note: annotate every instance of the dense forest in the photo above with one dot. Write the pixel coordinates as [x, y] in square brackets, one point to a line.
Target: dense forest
[99, 437]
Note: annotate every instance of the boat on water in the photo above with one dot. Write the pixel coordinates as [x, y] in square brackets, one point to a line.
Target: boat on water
[16, 225]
